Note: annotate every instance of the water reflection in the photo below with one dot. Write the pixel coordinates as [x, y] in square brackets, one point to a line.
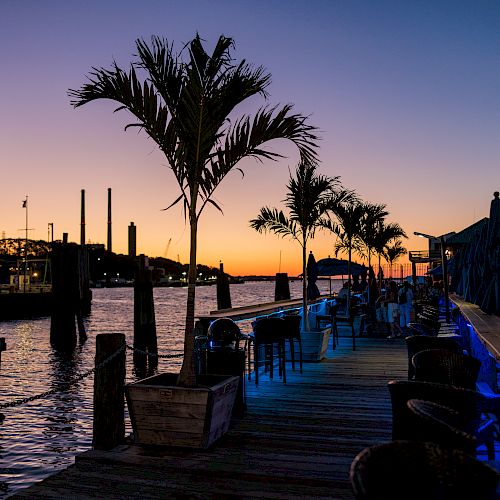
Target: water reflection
[41, 437]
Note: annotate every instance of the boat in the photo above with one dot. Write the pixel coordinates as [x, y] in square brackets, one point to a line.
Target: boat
[29, 291]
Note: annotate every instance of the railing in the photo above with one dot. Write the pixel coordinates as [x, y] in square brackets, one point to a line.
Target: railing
[424, 255]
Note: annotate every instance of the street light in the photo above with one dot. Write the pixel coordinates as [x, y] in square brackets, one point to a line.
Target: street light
[444, 264]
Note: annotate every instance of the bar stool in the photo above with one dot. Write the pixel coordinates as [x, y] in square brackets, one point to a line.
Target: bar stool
[292, 334]
[268, 334]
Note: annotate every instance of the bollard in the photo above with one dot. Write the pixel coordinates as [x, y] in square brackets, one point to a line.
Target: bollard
[281, 288]
[144, 319]
[109, 383]
[223, 290]
[3, 347]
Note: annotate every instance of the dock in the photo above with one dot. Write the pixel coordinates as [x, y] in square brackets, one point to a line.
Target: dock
[296, 440]
[253, 311]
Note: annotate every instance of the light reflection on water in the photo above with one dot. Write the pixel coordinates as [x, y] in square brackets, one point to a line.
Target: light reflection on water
[43, 436]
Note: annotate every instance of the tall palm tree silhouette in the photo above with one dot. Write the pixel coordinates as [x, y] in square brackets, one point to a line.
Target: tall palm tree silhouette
[184, 107]
[308, 199]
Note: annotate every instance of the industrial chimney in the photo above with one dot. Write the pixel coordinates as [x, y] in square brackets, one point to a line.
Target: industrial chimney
[132, 240]
[109, 221]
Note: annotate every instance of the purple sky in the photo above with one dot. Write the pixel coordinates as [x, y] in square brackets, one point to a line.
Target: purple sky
[405, 93]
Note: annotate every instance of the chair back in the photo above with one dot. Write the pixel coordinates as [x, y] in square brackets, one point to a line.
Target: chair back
[292, 326]
[445, 367]
[412, 470]
[439, 424]
[469, 404]
[224, 332]
[417, 343]
[269, 330]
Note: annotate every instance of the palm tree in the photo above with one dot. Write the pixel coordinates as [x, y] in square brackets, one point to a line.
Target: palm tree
[384, 234]
[308, 200]
[373, 214]
[393, 252]
[184, 107]
[349, 216]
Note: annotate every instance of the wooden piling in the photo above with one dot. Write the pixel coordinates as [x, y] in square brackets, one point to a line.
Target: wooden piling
[71, 293]
[223, 291]
[109, 384]
[3, 347]
[282, 287]
[144, 317]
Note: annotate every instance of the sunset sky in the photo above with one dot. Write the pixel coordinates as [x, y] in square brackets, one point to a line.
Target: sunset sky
[406, 95]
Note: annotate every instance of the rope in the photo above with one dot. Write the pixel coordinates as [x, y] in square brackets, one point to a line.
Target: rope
[65, 386]
[154, 354]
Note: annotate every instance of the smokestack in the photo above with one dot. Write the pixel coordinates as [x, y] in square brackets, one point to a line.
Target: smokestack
[109, 221]
[132, 240]
[82, 220]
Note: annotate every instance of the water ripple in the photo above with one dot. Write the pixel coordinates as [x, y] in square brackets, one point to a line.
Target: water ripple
[41, 437]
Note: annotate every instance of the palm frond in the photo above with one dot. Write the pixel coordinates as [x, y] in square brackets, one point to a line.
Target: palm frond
[272, 220]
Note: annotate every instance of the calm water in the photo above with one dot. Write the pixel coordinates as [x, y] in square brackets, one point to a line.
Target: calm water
[41, 437]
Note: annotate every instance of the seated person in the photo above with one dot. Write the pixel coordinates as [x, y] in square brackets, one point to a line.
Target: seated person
[344, 291]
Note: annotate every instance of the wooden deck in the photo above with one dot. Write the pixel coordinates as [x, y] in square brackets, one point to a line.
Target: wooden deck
[296, 440]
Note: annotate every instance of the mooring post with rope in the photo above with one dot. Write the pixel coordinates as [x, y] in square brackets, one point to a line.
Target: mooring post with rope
[109, 385]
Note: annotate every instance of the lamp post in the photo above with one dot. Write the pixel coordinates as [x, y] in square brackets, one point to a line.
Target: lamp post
[444, 264]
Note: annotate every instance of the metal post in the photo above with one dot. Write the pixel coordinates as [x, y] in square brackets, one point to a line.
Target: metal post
[444, 264]
[25, 205]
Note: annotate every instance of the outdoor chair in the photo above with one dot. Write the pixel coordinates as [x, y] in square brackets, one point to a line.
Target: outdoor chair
[268, 337]
[473, 407]
[292, 334]
[406, 470]
[224, 333]
[417, 343]
[427, 321]
[445, 367]
[328, 319]
[442, 425]
[339, 319]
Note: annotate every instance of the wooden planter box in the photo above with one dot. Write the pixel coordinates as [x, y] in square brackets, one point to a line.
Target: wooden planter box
[314, 345]
[165, 414]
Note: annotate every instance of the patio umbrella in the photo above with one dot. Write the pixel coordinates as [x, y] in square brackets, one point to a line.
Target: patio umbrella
[438, 270]
[337, 267]
[312, 276]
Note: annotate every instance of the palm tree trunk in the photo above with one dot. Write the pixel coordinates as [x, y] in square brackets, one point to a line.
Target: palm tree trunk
[347, 309]
[369, 265]
[187, 377]
[304, 286]
[379, 273]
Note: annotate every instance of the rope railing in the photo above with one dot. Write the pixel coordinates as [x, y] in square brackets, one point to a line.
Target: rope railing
[66, 385]
[155, 354]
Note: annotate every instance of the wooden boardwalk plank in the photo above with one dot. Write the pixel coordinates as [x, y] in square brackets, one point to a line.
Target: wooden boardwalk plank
[295, 441]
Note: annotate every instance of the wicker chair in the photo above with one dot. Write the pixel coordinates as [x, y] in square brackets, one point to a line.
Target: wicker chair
[419, 343]
[442, 425]
[444, 367]
[405, 470]
[471, 406]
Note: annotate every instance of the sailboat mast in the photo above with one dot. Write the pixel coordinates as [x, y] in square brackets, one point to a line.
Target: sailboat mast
[25, 205]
